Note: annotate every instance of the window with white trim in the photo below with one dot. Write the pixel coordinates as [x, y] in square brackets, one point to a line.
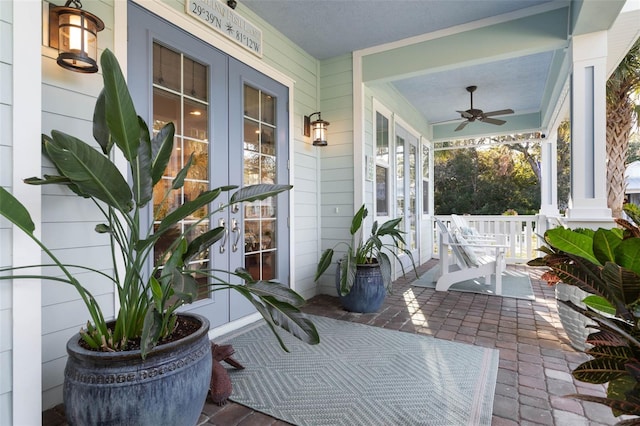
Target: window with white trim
[383, 194]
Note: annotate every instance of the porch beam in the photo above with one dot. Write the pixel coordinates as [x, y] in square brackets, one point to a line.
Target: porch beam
[526, 36]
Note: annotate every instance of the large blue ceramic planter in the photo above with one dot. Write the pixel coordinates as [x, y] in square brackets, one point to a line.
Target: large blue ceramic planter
[367, 293]
[169, 387]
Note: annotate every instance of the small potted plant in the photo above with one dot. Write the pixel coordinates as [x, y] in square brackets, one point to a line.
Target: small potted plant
[606, 264]
[363, 274]
[152, 363]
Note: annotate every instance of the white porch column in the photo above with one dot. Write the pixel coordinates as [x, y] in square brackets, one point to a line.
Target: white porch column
[548, 181]
[588, 196]
[549, 175]
[26, 159]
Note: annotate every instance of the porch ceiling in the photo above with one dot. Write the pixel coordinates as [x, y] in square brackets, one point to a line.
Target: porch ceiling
[430, 50]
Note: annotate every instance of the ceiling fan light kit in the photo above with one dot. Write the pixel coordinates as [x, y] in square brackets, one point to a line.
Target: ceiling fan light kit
[473, 114]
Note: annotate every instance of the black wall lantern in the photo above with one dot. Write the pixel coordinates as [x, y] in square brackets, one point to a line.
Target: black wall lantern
[318, 127]
[74, 32]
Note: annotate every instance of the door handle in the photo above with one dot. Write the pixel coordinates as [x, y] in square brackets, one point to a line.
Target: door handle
[223, 243]
[236, 229]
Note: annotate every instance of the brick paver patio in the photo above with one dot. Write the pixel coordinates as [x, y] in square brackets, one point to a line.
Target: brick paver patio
[535, 356]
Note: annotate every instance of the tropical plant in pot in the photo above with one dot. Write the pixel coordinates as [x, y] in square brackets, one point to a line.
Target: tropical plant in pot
[605, 263]
[363, 274]
[153, 362]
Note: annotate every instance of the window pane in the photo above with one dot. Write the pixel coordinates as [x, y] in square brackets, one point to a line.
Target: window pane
[425, 179]
[180, 95]
[166, 67]
[166, 108]
[195, 120]
[195, 79]
[251, 102]
[260, 223]
[268, 108]
[251, 135]
[382, 196]
[382, 138]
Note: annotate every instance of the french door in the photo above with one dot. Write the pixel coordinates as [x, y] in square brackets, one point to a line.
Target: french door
[231, 123]
[406, 159]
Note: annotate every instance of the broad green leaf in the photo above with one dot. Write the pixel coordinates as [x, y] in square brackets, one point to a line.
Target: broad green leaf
[599, 304]
[279, 314]
[102, 228]
[15, 212]
[605, 242]
[202, 243]
[385, 270]
[151, 330]
[389, 227]
[161, 147]
[54, 179]
[356, 222]
[184, 286]
[156, 292]
[92, 172]
[178, 181]
[323, 264]
[292, 320]
[186, 209]
[141, 168]
[121, 116]
[277, 291]
[628, 254]
[572, 242]
[101, 132]
[48, 180]
[257, 192]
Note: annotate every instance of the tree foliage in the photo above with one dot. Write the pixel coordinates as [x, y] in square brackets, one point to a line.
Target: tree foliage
[487, 181]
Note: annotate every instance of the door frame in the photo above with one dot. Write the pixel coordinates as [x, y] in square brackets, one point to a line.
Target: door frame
[418, 177]
[191, 26]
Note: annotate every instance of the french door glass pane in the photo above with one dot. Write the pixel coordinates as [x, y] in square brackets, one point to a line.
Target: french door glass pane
[180, 95]
[413, 231]
[425, 179]
[400, 186]
[260, 245]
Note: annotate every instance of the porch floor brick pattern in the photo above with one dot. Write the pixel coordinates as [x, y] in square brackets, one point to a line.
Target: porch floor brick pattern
[536, 357]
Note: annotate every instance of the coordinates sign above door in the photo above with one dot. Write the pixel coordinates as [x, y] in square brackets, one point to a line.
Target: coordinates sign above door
[217, 15]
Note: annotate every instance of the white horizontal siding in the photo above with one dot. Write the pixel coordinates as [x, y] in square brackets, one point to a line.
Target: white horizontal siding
[55, 292]
[5, 371]
[66, 315]
[68, 221]
[59, 206]
[6, 178]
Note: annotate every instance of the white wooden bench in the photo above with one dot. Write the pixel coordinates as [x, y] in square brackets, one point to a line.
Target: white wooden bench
[467, 261]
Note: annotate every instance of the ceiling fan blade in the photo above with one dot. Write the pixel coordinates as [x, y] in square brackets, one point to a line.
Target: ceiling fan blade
[500, 112]
[465, 114]
[461, 126]
[493, 121]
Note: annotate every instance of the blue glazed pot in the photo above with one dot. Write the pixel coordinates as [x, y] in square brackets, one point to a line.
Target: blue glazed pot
[367, 293]
[169, 387]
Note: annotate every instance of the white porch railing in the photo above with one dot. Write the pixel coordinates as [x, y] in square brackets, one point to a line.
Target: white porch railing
[520, 233]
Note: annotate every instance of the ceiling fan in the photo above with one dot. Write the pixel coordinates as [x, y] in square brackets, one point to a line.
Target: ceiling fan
[473, 114]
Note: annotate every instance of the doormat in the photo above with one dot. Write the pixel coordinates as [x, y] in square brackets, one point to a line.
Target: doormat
[516, 284]
[363, 375]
